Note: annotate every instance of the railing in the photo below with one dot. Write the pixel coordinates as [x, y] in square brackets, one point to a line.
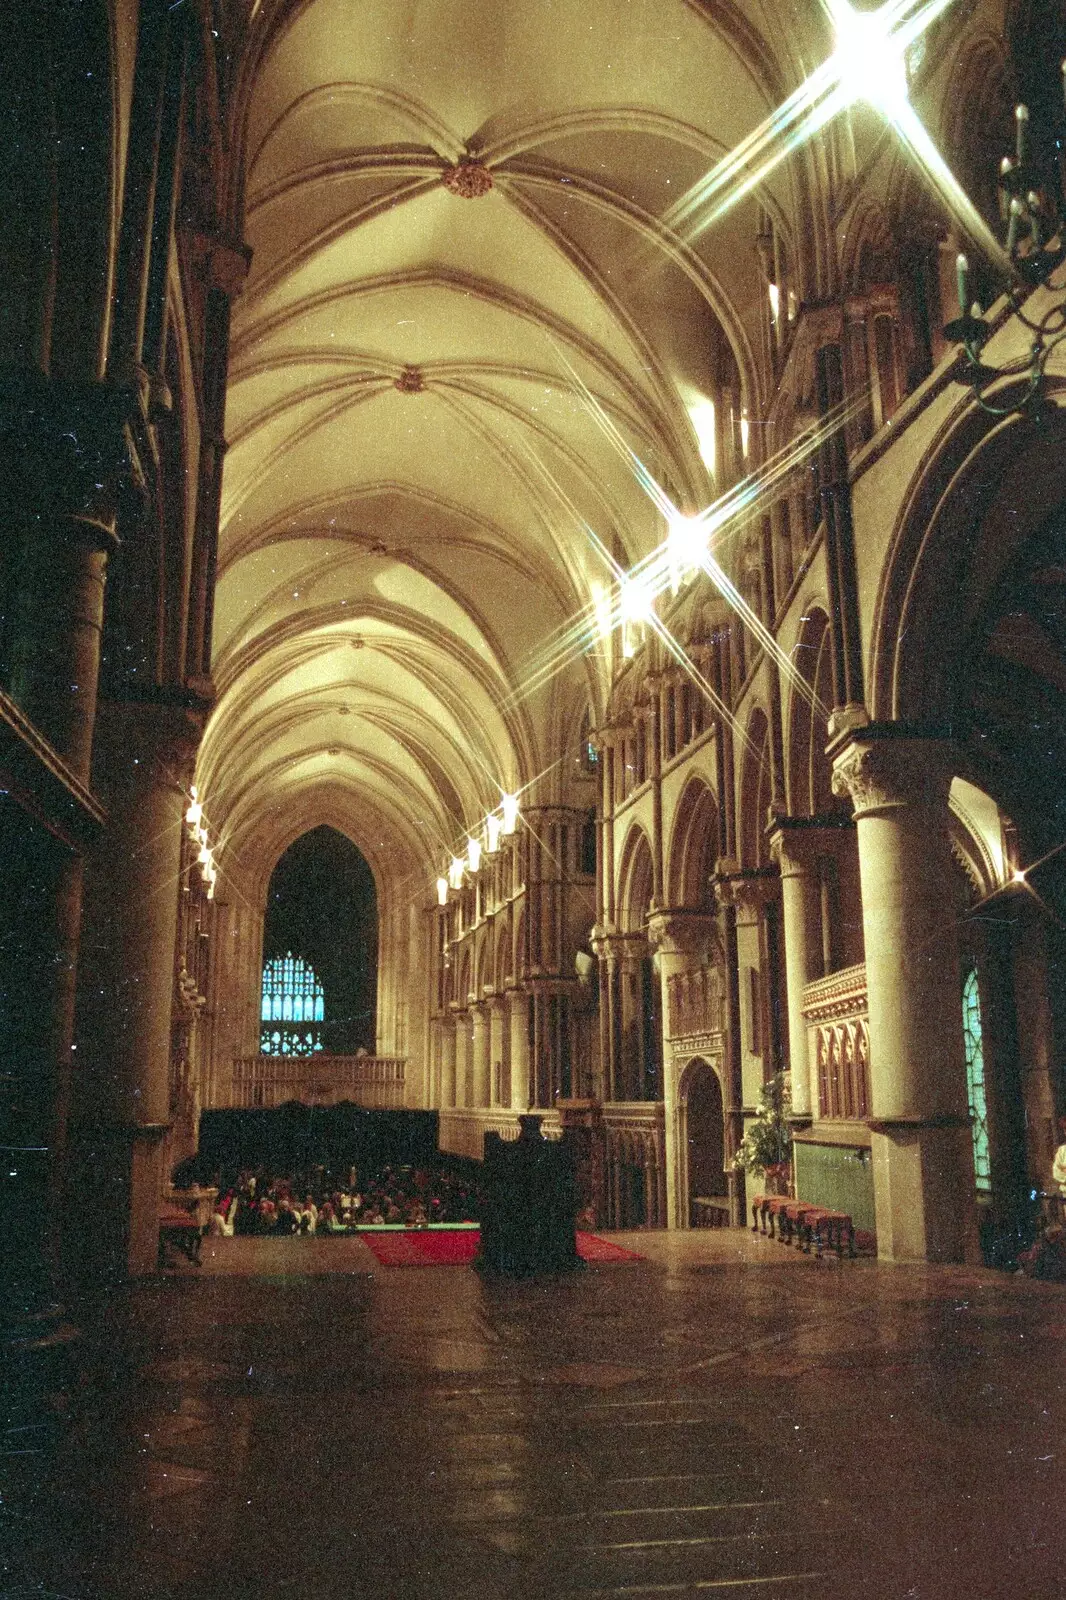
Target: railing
[374, 1082]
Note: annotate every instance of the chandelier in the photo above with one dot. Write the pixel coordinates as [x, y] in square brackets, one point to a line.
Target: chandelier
[1033, 212]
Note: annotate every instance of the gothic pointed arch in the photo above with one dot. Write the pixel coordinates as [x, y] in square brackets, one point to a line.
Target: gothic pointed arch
[693, 847]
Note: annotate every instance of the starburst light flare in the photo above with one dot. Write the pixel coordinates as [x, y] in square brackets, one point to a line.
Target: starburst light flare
[736, 506]
[868, 64]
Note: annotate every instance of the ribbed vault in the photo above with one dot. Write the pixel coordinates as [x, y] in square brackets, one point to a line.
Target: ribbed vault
[460, 272]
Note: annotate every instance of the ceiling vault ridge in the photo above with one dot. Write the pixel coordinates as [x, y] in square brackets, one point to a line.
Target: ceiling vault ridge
[293, 633]
[684, 445]
[328, 566]
[649, 438]
[237, 496]
[311, 392]
[535, 489]
[448, 766]
[438, 135]
[262, 284]
[366, 161]
[465, 283]
[440, 375]
[681, 255]
[750, 46]
[284, 526]
[435, 371]
[265, 834]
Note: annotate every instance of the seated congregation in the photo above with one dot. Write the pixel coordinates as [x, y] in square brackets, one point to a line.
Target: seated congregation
[320, 1202]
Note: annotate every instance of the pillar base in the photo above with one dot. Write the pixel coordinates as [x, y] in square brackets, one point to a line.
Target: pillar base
[924, 1191]
[114, 1204]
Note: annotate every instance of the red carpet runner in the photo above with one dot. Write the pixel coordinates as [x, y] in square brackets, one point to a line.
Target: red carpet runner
[440, 1248]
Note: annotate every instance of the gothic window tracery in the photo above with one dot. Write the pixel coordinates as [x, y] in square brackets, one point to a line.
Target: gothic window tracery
[292, 998]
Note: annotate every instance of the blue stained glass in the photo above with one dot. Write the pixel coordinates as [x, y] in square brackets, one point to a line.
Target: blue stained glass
[291, 994]
[973, 1041]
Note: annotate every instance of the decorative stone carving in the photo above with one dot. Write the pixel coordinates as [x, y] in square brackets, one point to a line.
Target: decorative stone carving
[884, 774]
[410, 381]
[681, 931]
[836, 1010]
[696, 1004]
[745, 889]
[469, 179]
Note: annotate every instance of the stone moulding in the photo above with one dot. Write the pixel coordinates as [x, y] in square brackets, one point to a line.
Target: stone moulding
[841, 994]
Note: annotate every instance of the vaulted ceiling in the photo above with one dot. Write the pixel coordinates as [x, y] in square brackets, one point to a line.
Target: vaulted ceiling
[461, 283]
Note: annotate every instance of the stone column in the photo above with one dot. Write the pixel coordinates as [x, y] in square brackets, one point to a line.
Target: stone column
[447, 1063]
[795, 849]
[630, 1026]
[67, 452]
[498, 1052]
[481, 1066]
[126, 981]
[922, 1157]
[62, 456]
[603, 947]
[463, 1063]
[680, 936]
[740, 895]
[519, 1020]
[433, 1070]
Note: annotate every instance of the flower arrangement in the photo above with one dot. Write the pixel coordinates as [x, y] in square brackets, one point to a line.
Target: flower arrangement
[767, 1142]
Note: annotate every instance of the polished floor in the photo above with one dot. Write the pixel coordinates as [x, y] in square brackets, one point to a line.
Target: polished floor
[724, 1417]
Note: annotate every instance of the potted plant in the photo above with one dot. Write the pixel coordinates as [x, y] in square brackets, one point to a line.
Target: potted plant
[767, 1143]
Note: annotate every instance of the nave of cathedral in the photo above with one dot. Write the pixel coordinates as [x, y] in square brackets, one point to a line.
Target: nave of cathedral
[590, 477]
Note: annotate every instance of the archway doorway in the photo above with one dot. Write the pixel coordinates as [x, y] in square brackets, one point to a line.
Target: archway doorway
[322, 919]
[704, 1134]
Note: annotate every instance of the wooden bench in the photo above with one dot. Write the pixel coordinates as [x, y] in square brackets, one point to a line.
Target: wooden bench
[178, 1230]
[710, 1211]
[782, 1217]
[832, 1229]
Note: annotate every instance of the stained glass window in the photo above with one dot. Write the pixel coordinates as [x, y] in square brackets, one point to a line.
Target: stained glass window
[975, 1082]
[292, 998]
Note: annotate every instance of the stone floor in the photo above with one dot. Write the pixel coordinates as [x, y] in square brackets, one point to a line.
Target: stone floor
[725, 1417]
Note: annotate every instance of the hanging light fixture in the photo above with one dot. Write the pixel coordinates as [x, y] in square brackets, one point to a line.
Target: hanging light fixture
[442, 891]
[1034, 215]
[510, 813]
[473, 854]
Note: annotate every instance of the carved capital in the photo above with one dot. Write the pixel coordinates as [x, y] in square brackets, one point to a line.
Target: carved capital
[611, 945]
[680, 931]
[886, 774]
[747, 890]
[796, 843]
